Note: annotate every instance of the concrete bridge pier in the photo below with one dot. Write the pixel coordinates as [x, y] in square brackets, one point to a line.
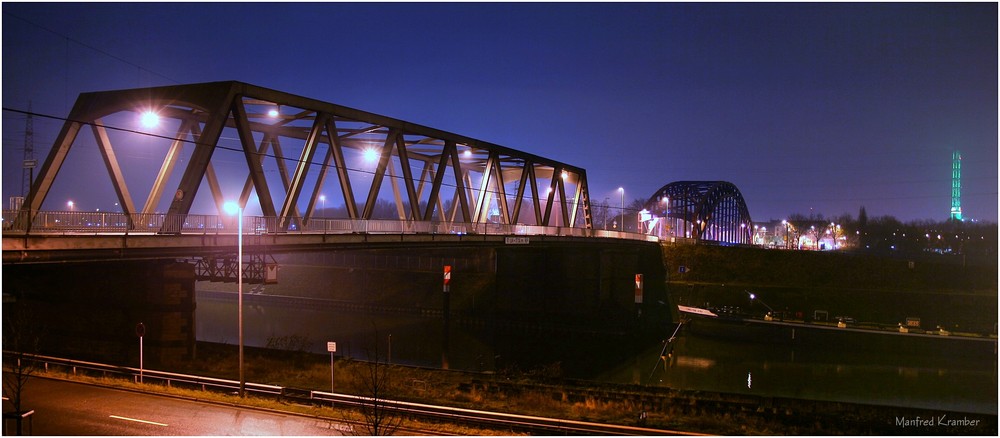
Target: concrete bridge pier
[91, 310]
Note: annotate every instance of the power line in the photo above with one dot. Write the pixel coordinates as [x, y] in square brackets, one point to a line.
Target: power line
[29, 113]
[98, 50]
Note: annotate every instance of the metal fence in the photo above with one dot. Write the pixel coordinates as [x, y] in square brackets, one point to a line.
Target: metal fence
[80, 222]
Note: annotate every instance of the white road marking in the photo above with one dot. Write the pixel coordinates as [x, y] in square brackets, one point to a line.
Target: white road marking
[139, 421]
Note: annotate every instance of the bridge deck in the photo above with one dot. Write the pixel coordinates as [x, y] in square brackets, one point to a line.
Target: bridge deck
[68, 236]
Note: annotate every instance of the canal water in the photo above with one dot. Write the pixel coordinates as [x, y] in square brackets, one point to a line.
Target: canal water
[693, 362]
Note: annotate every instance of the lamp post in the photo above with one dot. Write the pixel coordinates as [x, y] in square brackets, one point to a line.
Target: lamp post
[605, 214]
[754, 297]
[239, 282]
[785, 223]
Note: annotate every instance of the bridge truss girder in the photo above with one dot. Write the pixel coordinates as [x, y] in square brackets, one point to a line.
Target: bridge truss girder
[487, 181]
[704, 211]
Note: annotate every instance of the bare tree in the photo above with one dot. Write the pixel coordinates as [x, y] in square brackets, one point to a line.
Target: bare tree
[380, 418]
[21, 336]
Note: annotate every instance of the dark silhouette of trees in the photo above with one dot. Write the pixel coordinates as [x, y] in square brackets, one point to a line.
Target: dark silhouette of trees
[379, 417]
[21, 336]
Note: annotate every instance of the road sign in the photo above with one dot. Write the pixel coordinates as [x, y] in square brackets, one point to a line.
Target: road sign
[331, 347]
[447, 278]
[140, 330]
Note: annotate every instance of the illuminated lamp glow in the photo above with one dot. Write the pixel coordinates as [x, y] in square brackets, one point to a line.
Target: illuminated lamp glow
[231, 207]
[370, 154]
[565, 174]
[149, 119]
[273, 112]
[467, 153]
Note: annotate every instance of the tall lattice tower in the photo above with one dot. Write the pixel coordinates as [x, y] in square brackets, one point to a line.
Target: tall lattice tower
[29, 154]
[956, 185]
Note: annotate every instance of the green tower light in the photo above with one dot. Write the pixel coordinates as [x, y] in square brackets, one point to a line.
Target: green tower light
[956, 185]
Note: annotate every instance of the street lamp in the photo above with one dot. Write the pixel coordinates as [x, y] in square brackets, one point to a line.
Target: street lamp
[785, 223]
[371, 155]
[231, 208]
[322, 198]
[149, 119]
[605, 214]
[754, 297]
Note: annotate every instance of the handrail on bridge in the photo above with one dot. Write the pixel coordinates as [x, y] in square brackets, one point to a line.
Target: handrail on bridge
[99, 222]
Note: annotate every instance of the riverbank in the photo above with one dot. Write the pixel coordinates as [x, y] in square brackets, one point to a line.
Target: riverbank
[535, 392]
[932, 290]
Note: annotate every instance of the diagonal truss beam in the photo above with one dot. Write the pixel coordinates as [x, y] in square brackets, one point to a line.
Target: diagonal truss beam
[311, 129]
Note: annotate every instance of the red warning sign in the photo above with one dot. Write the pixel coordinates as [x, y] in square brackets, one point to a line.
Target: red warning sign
[638, 288]
[447, 278]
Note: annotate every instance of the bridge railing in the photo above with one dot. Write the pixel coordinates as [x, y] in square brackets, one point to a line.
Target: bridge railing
[99, 222]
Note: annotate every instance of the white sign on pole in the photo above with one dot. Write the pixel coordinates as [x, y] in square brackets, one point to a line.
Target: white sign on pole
[331, 347]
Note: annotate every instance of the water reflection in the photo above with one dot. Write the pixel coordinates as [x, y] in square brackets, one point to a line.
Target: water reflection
[835, 373]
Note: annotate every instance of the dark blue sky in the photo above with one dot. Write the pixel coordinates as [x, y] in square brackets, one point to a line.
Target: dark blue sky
[819, 108]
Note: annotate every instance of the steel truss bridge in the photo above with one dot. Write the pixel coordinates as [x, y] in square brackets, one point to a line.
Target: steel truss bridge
[712, 211]
[292, 148]
[288, 149]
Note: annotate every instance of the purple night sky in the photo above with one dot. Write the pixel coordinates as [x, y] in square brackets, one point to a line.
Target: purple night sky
[820, 108]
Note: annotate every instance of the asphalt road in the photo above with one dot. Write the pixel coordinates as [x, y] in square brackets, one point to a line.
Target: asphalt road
[67, 408]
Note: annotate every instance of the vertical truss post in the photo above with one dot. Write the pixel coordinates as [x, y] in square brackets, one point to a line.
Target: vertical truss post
[561, 186]
[337, 151]
[519, 196]
[461, 189]
[114, 170]
[550, 196]
[173, 154]
[301, 170]
[53, 162]
[196, 168]
[383, 162]
[253, 160]
[482, 201]
[404, 164]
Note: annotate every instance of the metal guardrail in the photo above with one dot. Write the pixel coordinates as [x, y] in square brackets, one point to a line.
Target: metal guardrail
[78, 367]
[98, 222]
[526, 423]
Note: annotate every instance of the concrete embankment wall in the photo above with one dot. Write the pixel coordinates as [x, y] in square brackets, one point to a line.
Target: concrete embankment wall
[955, 293]
[584, 283]
[90, 310]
